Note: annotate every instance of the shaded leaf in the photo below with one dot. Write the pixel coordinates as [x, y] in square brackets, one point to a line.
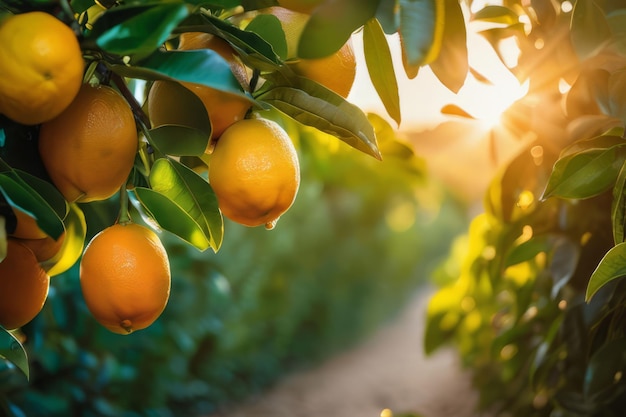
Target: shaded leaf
[618, 206]
[617, 94]
[380, 68]
[268, 27]
[331, 25]
[611, 267]
[421, 27]
[602, 371]
[589, 28]
[12, 350]
[21, 196]
[137, 30]
[171, 217]
[192, 193]
[192, 66]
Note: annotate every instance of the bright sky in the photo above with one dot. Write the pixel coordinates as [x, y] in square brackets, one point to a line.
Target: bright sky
[422, 98]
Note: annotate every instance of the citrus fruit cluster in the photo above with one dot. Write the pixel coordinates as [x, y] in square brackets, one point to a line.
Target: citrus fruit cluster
[90, 144]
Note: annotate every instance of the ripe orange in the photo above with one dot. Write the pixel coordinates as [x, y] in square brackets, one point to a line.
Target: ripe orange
[223, 108]
[45, 248]
[26, 227]
[336, 72]
[125, 277]
[89, 149]
[41, 67]
[23, 286]
[254, 172]
[302, 6]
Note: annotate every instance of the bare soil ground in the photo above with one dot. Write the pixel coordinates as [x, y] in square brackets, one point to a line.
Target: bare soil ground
[387, 371]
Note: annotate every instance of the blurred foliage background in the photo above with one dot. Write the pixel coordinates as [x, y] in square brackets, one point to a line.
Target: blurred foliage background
[357, 245]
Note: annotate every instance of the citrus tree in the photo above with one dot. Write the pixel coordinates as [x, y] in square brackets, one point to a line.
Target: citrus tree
[169, 115]
[536, 302]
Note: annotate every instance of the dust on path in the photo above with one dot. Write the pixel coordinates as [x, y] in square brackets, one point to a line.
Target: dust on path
[389, 370]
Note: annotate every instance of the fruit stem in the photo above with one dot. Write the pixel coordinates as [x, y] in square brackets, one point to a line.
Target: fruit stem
[124, 217]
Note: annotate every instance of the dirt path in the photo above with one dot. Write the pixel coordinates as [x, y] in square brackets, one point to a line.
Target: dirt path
[387, 371]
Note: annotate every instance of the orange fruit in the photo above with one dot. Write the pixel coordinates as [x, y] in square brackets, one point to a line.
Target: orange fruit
[26, 227]
[254, 172]
[223, 108]
[336, 72]
[89, 149]
[41, 67]
[125, 277]
[44, 248]
[301, 6]
[23, 286]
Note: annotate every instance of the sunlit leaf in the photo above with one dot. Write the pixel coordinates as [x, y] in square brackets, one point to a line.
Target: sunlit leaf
[380, 68]
[589, 28]
[331, 25]
[137, 30]
[12, 350]
[421, 27]
[585, 174]
[497, 14]
[454, 110]
[314, 105]
[192, 193]
[73, 243]
[604, 141]
[611, 267]
[171, 217]
[451, 64]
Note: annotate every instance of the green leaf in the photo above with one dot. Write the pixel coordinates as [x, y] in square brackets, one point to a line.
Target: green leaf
[611, 267]
[192, 193]
[585, 174]
[314, 105]
[137, 30]
[606, 141]
[380, 68]
[451, 65]
[387, 16]
[331, 25]
[589, 28]
[12, 350]
[79, 6]
[21, 196]
[268, 27]
[201, 66]
[605, 364]
[178, 140]
[618, 206]
[421, 29]
[617, 94]
[48, 192]
[171, 217]
[497, 14]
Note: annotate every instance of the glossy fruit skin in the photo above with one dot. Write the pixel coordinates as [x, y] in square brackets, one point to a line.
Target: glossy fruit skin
[125, 277]
[255, 172]
[223, 108]
[336, 72]
[89, 149]
[24, 286]
[41, 67]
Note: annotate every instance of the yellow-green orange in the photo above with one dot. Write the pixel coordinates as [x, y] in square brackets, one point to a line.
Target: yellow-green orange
[89, 149]
[41, 67]
[23, 286]
[125, 277]
[302, 6]
[254, 172]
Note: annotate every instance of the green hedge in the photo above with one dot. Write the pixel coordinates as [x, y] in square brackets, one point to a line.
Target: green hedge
[359, 241]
